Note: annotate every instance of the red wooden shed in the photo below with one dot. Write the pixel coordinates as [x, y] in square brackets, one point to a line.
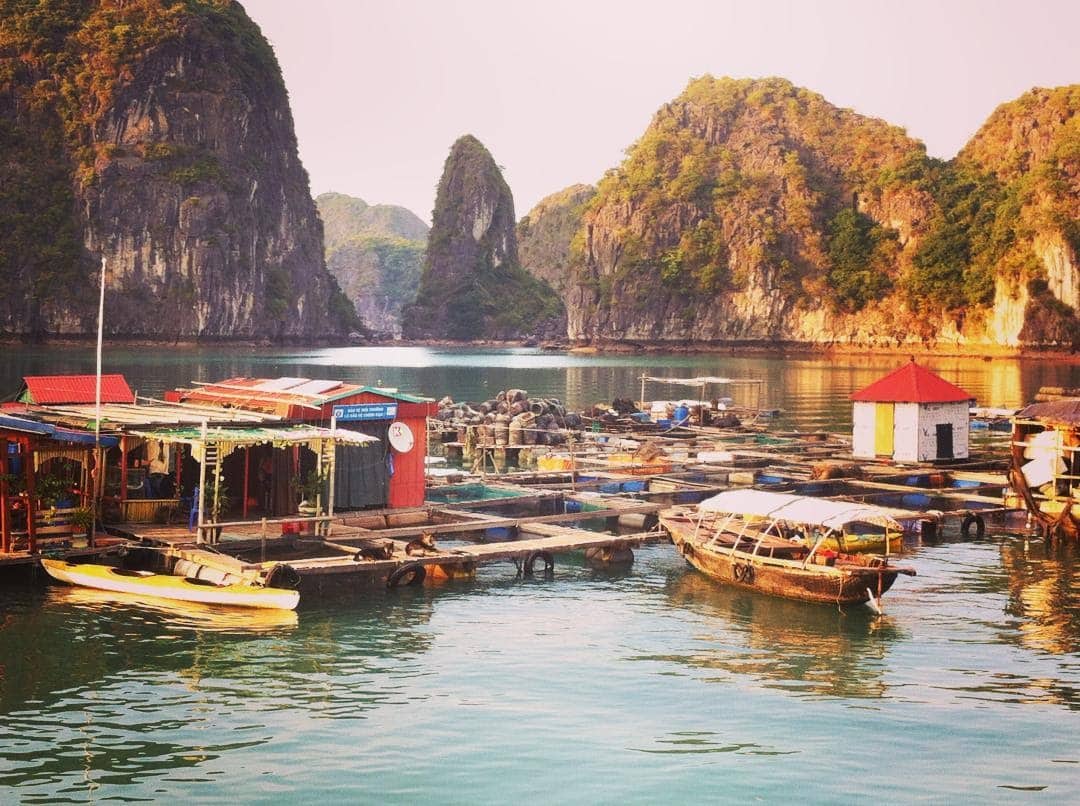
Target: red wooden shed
[383, 413]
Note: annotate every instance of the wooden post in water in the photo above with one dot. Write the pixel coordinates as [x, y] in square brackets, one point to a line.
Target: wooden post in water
[200, 536]
[332, 461]
[247, 479]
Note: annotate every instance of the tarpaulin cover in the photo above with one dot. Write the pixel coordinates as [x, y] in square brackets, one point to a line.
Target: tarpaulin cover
[797, 509]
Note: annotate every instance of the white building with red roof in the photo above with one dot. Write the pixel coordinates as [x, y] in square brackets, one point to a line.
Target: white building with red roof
[911, 415]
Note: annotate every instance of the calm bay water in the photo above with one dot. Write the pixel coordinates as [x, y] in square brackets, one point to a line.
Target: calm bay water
[646, 685]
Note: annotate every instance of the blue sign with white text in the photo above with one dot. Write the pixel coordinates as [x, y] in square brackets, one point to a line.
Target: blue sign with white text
[365, 411]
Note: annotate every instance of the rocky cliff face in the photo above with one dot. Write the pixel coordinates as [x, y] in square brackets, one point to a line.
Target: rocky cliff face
[375, 253]
[174, 158]
[1030, 150]
[473, 286]
[720, 224]
[544, 235]
[755, 211]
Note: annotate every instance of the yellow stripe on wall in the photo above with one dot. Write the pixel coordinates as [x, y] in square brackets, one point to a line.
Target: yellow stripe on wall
[883, 428]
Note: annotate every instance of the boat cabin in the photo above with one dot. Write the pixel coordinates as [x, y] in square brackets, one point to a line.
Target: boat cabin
[749, 516]
[911, 415]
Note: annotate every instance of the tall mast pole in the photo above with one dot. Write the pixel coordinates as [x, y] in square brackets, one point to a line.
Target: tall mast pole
[99, 475]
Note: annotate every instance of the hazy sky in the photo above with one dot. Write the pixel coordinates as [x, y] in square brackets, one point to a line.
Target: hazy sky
[558, 89]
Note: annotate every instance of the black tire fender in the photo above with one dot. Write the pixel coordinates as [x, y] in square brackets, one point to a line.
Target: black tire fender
[410, 574]
[530, 561]
[283, 576]
[972, 519]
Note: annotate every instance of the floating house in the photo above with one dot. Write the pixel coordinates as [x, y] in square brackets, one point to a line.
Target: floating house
[45, 479]
[163, 459]
[1045, 470]
[59, 390]
[911, 415]
[394, 478]
[47, 468]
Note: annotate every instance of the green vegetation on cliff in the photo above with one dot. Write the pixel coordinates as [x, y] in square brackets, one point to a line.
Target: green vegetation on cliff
[860, 251]
[749, 207]
[376, 253]
[473, 285]
[740, 185]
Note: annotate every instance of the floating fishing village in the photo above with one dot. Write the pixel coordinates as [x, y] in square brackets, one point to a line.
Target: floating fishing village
[474, 403]
[259, 492]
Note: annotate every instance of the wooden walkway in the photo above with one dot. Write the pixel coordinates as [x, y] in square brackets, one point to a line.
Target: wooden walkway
[335, 559]
[347, 548]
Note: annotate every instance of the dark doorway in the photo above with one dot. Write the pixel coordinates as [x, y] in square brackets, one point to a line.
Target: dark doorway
[944, 441]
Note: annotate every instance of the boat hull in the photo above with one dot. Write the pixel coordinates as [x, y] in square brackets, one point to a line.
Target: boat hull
[791, 579]
[164, 586]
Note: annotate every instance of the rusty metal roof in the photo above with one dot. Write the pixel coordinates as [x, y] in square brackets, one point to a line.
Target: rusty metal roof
[277, 395]
[1065, 411]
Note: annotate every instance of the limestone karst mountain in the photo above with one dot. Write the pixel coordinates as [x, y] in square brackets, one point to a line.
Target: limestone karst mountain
[375, 253]
[753, 211]
[156, 134]
[473, 286]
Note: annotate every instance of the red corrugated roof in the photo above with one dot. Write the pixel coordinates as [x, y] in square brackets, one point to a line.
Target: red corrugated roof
[60, 389]
[912, 384]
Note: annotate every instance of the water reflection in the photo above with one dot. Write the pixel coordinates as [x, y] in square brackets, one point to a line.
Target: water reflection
[96, 690]
[174, 615]
[1044, 591]
[808, 650]
[812, 391]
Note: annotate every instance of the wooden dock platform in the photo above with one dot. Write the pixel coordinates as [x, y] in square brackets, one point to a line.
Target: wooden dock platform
[385, 548]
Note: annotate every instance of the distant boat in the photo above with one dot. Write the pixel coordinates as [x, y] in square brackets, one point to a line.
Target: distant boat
[742, 537]
[166, 586]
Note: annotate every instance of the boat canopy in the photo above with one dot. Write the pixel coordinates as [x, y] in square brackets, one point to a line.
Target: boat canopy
[229, 438]
[798, 509]
[701, 381]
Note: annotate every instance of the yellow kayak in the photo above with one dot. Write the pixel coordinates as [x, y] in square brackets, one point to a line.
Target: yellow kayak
[165, 586]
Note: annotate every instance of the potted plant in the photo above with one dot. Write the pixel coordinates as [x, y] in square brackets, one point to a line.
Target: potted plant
[82, 521]
[309, 488]
[222, 498]
[52, 491]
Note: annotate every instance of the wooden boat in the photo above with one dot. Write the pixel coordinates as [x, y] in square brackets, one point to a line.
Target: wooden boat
[737, 537]
[166, 586]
